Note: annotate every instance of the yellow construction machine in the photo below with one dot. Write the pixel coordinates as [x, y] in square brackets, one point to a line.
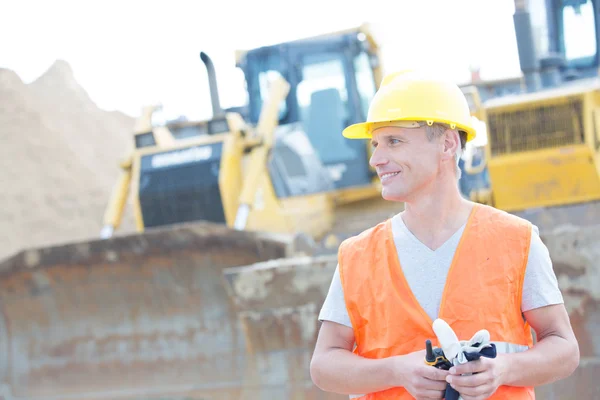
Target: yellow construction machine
[282, 168]
[185, 308]
[542, 158]
[542, 155]
[224, 171]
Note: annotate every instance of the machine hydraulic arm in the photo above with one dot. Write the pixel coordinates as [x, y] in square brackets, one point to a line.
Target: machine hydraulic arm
[114, 211]
[265, 131]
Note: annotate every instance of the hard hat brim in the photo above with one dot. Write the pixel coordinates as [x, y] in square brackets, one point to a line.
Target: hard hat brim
[363, 130]
[357, 131]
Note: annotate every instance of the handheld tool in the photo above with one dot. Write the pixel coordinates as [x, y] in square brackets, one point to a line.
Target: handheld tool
[435, 357]
[453, 351]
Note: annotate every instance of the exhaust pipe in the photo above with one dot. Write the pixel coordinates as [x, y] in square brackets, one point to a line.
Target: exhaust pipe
[528, 59]
[212, 82]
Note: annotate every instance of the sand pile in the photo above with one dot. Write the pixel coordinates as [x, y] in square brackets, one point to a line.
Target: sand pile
[59, 156]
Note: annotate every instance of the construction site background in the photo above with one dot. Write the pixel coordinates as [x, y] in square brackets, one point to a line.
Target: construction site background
[60, 155]
[59, 162]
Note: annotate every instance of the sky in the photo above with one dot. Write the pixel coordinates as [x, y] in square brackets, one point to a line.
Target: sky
[130, 53]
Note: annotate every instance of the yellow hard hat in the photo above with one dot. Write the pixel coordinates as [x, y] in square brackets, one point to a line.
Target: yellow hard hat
[406, 97]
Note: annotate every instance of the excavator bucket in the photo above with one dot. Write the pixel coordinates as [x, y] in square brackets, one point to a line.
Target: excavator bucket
[183, 312]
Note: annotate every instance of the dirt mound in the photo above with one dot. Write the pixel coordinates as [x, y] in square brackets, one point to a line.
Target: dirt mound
[59, 156]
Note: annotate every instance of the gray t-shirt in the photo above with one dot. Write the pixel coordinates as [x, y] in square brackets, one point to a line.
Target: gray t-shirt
[426, 272]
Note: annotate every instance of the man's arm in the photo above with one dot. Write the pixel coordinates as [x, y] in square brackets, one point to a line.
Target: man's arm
[334, 368]
[555, 355]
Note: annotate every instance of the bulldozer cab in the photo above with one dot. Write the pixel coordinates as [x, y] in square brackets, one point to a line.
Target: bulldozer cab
[573, 34]
[557, 44]
[332, 81]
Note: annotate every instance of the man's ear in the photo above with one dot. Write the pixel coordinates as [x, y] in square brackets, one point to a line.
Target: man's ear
[451, 143]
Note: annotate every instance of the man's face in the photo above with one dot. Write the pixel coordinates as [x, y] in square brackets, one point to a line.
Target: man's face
[405, 160]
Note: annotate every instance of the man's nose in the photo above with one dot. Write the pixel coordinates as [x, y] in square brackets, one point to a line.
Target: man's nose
[377, 158]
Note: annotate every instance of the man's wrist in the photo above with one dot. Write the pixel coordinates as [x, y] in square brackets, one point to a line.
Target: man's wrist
[395, 370]
[505, 364]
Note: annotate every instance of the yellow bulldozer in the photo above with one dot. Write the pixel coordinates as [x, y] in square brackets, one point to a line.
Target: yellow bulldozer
[183, 308]
[542, 158]
[277, 165]
[217, 295]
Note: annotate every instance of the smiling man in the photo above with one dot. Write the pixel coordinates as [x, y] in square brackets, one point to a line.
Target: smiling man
[445, 257]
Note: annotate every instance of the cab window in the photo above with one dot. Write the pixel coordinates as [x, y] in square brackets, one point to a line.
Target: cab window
[578, 32]
[365, 82]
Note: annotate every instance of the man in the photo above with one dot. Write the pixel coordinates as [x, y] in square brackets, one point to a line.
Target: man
[471, 265]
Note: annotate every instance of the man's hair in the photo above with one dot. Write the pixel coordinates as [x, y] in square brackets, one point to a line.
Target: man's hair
[437, 130]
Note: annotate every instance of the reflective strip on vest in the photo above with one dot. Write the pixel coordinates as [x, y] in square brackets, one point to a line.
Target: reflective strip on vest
[505, 347]
[501, 347]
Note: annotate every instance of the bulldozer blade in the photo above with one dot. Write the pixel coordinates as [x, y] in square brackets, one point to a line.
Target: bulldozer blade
[572, 235]
[151, 316]
[201, 311]
[575, 255]
[549, 218]
[277, 303]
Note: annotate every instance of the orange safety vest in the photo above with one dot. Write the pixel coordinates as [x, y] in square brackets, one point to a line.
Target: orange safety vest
[483, 291]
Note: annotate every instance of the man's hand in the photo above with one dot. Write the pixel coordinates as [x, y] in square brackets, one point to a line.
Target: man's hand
[334, 368]
[488, 374]
[422, 381]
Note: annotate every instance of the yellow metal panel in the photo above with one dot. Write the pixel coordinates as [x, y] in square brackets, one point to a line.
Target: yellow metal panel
[118, 200]
[353, 194]
[546, 96]
[230, 176]
[544, 178]
[135, 188]
[595, 138]
[265, 210]
[257, 167]
[590, 121]
[183, 144]
[311, 214]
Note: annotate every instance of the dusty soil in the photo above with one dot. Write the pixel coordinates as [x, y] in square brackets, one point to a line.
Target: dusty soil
[59, 156]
